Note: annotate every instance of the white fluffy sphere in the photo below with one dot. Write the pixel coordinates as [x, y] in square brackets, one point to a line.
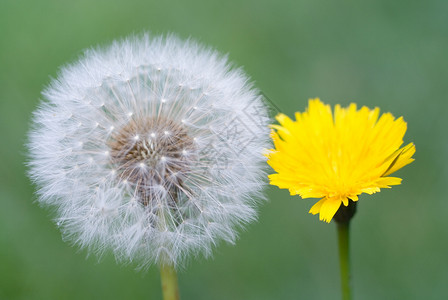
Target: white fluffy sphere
[151, 148]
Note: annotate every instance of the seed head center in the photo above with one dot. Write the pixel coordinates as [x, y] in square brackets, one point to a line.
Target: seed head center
[150, 153]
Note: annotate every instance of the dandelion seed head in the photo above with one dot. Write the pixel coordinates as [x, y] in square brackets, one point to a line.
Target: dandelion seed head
[155, 179]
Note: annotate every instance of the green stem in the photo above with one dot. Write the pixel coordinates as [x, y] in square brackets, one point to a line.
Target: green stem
[344, 258]
[170, 288]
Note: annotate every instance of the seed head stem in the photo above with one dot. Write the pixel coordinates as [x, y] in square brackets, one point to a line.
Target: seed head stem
[170, 288]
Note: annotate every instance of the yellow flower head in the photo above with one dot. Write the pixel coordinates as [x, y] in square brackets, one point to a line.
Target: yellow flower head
[337, 156]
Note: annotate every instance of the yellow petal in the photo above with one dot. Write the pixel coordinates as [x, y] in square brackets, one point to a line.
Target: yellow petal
[284, 120]
[370, 190]
[316, 207]
[353, 198]
[386, 182]
[329, 208]
[403, 159]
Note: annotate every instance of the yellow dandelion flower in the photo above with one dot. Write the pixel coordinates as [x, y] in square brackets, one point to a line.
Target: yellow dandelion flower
[337, 156]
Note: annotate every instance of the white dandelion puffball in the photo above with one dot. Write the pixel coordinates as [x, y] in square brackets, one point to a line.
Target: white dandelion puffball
[151, 148]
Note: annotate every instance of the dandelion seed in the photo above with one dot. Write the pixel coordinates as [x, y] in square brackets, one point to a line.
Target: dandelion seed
[145, 200]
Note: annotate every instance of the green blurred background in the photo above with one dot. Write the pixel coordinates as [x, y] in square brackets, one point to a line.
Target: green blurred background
[391, 54]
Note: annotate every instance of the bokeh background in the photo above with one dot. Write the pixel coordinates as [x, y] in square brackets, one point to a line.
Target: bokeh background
[391, 54]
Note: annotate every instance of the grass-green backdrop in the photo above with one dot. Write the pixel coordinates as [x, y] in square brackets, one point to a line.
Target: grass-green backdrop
[391, 54]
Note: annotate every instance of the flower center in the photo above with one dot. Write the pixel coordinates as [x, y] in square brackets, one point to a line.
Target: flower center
[153, 155]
